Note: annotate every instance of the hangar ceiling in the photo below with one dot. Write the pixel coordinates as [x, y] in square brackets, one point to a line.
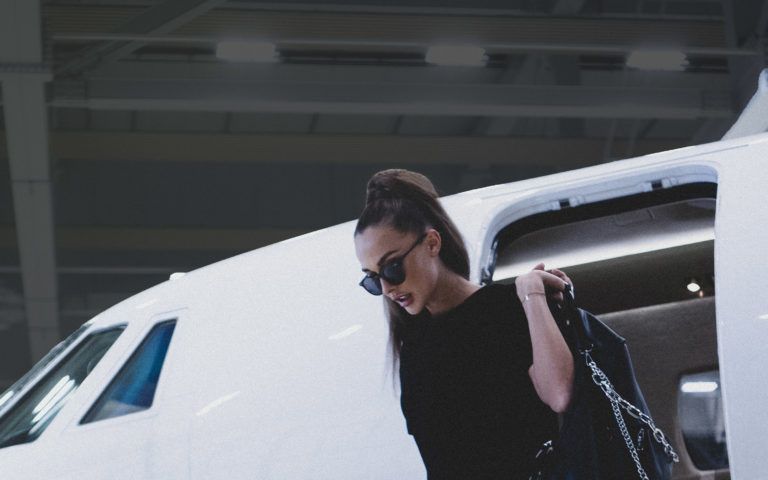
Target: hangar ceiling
[129, 150]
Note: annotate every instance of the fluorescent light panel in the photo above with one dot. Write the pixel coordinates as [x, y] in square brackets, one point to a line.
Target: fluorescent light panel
[647, 59]
[456, 56]
[246, 51]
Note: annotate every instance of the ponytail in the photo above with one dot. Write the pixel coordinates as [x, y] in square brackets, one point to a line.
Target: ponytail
[408, 202]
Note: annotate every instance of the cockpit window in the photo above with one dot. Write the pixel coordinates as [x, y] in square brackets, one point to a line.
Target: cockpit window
[35, 411]
[133, 388]
[16, 388]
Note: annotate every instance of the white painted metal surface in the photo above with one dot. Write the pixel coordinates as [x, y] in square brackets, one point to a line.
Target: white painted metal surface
[277, 368]
[754, 118]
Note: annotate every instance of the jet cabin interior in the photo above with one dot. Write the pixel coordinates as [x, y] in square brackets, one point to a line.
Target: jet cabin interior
[645, 265]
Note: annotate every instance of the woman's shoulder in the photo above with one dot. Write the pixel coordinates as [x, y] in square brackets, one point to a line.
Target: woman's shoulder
[501, 288]
[496, 292]
[496, 297]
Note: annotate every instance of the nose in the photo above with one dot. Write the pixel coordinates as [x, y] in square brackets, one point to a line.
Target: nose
[386, 287]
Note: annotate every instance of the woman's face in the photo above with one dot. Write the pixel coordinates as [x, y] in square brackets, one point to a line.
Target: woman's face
[378, 245]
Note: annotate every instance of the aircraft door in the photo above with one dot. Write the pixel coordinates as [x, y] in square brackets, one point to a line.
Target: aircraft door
[741, 275]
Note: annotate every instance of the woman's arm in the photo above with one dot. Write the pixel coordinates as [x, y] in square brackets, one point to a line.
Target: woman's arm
[552, 369]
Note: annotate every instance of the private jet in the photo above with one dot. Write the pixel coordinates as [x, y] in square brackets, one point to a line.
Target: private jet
[272, 364]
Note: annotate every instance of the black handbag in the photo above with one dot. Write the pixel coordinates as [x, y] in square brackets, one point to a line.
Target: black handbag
[607, 431]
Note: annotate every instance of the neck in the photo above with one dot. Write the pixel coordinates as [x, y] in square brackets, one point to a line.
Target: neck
[451, 290]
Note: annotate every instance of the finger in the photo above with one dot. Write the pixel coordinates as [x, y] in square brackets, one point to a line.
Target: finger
[559, 273]
[540, 266]
[562, 275]
[557, 296]
[553, 282]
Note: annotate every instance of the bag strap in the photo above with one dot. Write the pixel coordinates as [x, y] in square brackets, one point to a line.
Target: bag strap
[618, 403]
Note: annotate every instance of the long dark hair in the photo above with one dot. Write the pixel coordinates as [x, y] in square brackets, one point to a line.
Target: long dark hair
[407, 201]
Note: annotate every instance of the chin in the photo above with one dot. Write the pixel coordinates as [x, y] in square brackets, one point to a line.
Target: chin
[414, 309]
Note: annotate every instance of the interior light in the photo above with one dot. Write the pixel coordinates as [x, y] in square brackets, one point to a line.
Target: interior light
[657, 60]
[246, 51]
[698, 387]
[693, 286]
[176, 275]
[761, 317]
[457, 56]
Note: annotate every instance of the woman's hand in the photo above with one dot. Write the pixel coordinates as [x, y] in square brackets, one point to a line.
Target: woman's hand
[540, 282]
[552, 370]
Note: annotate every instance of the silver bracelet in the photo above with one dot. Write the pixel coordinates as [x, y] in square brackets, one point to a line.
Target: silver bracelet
[532, 293]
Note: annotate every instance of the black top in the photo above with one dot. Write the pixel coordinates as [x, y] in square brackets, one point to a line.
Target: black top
[466, 395]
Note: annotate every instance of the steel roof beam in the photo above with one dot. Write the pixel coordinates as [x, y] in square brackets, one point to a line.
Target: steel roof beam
[164, 69]
[362, 28]
[570, 48]
[159, 19]
[563, 66]
[337, 149]
[26, 123]
[395, 98]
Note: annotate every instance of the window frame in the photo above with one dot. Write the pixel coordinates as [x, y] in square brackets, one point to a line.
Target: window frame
[122, 368]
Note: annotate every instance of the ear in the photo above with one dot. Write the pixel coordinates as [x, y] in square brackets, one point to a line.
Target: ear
[434, 242]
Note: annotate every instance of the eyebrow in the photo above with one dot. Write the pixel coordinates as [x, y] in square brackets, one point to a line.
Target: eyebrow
[381, 260]
[385, 257]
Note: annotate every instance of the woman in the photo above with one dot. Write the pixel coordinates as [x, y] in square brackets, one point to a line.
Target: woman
[483, 370]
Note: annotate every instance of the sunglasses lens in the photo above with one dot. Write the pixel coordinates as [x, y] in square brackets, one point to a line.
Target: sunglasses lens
[393, 273]
[371, 285]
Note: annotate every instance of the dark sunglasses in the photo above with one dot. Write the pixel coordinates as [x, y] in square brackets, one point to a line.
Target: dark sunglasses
[392, 271]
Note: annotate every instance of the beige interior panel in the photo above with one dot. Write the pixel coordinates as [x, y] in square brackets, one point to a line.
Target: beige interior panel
[666, 341]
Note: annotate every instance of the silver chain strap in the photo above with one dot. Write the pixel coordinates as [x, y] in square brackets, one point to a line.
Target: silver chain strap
[617, 402]
[628, 439]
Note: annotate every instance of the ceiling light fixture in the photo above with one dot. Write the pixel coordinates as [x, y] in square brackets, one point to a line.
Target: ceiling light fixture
[456, 56]
[647, 59]
[233, 51]
[693, 286]
[699, 387]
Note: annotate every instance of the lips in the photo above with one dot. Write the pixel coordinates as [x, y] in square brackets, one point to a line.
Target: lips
[403, 300]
